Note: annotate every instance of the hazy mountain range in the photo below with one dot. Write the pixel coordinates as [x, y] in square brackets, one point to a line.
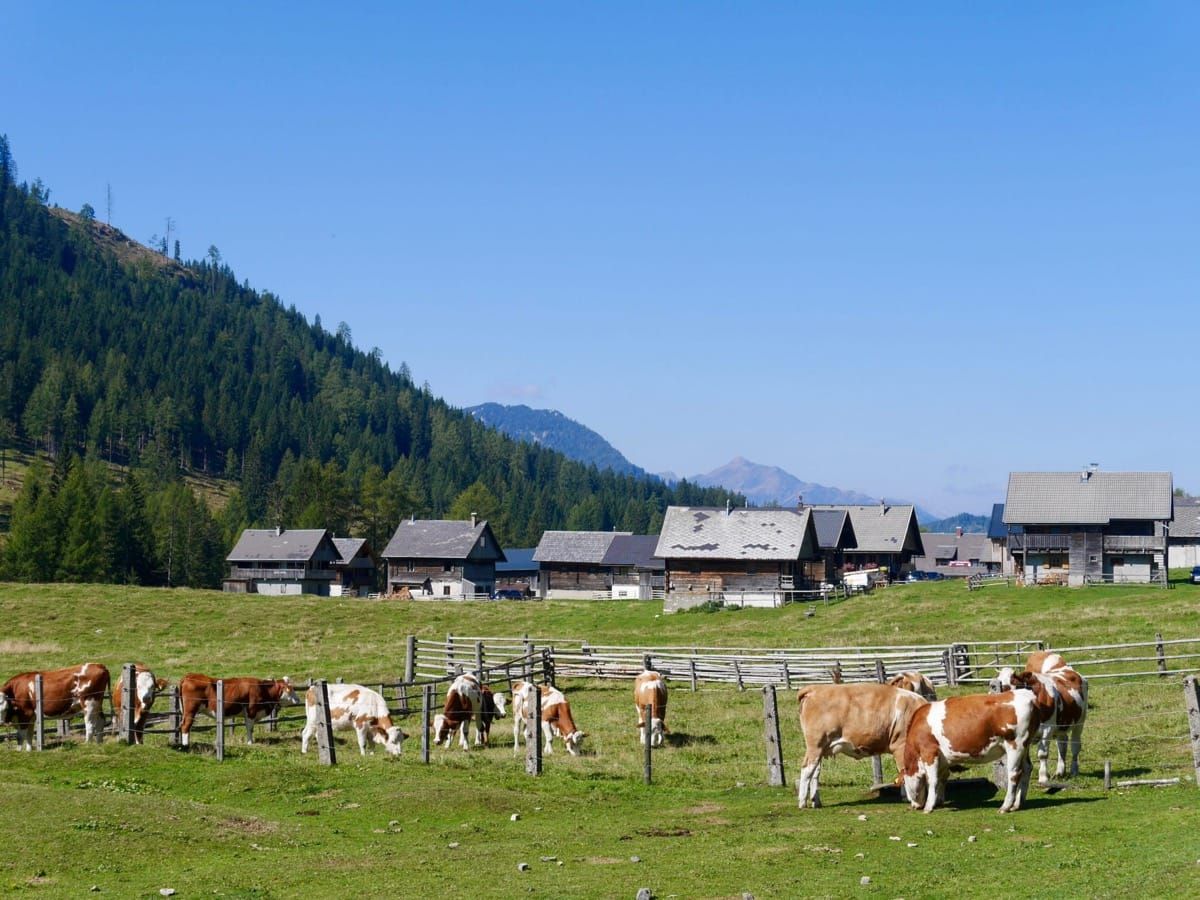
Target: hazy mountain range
[762, 485]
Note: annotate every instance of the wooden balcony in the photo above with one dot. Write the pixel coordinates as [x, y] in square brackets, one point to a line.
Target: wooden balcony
[282, 574]
[1132, 543]
[1022, 543]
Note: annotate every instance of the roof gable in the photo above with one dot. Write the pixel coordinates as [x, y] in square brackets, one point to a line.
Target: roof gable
[1187, 519]
[882, 528]
[575, 546]
[443, 539]
[1088, 498]
[284, 545]
[834, 529]
[636, 550]
[690, 532]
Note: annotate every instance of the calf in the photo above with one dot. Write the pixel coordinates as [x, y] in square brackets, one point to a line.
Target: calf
[492, 706]
[858, 720]
[254, 698]
[65, 693]
[357, 707]
[974, 729]
[1061, 694]
[463, 701]
[915, 682]
[556, 717]
[650, 689]
[145, 690]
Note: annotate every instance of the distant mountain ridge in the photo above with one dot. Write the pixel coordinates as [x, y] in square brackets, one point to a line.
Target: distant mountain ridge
[555, 431]
[970, 524]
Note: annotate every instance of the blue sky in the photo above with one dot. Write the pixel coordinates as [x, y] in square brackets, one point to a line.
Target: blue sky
[899, 248]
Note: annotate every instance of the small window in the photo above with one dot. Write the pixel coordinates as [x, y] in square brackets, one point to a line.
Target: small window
[447, 567]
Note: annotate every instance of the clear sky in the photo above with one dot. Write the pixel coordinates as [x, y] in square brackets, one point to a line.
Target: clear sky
[897, 248]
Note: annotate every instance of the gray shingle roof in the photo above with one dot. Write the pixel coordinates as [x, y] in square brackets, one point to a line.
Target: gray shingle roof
[830, 524]
[263, 544]
[635, 550]
[574, 546]
[761, 534]
[953, 547]
[348, 547]
[442, 539]
[1187, 519]
[1067, 498]
[880, 528]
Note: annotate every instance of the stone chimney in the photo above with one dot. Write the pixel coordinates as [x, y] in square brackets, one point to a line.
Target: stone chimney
[474, 518]
[728, 506]
[278, 530]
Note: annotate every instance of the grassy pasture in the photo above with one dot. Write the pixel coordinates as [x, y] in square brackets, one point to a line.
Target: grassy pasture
[270, 823]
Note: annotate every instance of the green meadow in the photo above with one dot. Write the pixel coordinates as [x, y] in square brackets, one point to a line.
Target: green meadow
[268, 822]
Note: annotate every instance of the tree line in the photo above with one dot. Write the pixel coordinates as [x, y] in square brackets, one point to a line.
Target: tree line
[147, 372]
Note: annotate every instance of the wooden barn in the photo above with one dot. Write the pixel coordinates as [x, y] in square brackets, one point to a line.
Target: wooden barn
[442, 558]
[1088, 526]
[835, 535]
[886, 537]
[355, 572]
[1183, 545]
[571, 563]
[282, 561]
[755, 553]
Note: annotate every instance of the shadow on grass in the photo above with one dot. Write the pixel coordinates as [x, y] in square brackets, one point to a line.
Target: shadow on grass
[679, 739]
[1123, 773]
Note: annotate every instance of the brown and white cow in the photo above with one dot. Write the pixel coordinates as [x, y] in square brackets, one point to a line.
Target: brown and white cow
[65, 693]
[977, 728]
[915, 682]
[556, 717]
[650, 689]
[253, 698]
[1062, 706]
[492, 706]
[464, 699]
[859, 720]
[145, 689]
[357, 707]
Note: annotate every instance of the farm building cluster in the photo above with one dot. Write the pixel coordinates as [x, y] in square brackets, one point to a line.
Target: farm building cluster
[1070, 528]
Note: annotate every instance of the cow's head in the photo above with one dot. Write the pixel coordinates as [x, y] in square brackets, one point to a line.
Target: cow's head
[657, 729]
[391, 737]
[573, 740]
[1002, 682]
[287, 693]
[441, 729]
[915, 682]
[6, 704]
[1026, 680]
[501, 705]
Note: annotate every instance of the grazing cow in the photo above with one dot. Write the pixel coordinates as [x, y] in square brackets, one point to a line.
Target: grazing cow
[464, 698]
[556, 717]
[357, 707]
[254, 698]
[650, 689]
[1062, 707]
[65, 693]
[858, 720]
[492, 706]
[145, 690]
[974, 729]
[915, 682]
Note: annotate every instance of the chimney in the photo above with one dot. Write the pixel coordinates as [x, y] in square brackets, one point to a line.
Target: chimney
[278, 530]
[882, 507]
[474, 516]
[728, 506]
[958, 531]
[799, 501]
[1089, 471]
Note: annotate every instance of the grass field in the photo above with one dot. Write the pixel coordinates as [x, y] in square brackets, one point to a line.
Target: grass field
[270, 823]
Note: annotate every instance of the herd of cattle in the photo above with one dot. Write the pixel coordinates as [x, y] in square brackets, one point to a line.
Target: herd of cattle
[927, 737]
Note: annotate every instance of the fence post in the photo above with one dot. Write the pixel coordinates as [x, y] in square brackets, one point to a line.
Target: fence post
[547, 668]
[479, 659]
[787, 675]
[528, 671]
[877, 761]
[39, 718]
[326, 753]
[128, 683]
[775, 776]
[219, 739]
[648, 750]
[948, 665]
[1162, 657]
[1108, 774]
[64, 729]
[1191, 693]
[533, 734]
[450, 654]
[835, 673]
[402, 698]
[737, 667]
[410, 659]
[175, 718]
[692, 672]
[647, 663]
[426, 705]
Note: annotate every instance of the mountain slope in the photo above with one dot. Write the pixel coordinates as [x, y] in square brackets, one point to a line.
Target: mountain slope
[971, 524]
[552, 429]
[771, 485]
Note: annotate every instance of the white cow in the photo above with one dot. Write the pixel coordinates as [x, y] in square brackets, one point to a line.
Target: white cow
[357, 707]
[556, 717]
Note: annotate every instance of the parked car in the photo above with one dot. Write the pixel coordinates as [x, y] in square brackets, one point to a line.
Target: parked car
[508, 594]
[1195, 574]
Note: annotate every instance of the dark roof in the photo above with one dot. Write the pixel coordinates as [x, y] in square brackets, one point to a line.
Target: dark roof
[1187, 519]
[881, 528]
[1087, 498]
[635, 550]
[834, 529]
[443, 539]
[574, 546]
[349, 547]
[265, 544]
[519, 560]
[997, 530]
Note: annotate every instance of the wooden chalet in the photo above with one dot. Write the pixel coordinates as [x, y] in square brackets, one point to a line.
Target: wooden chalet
[1080, 527]
[886, 537]
[282, 561]
[442, 558]
[757, 553]
[571, 563]
[1183, 544]
[956, 554]
[835, 535]
[355, 572]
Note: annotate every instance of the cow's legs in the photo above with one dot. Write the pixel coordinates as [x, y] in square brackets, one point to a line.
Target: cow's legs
[518, 727]
[808, 786]
[935, 788]
[185, 727]
[25, 737]
[249, 728]
[1017, 767]
[362, 741]
[548, 731]
[93, 720]
[310, 728]
[1076, 746]
[1043, 754]
[464, 730]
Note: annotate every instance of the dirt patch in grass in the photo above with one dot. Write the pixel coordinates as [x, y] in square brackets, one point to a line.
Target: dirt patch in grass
[665, 832]
[15, 646]
[603, 860]
[704, 809]
[246, 825]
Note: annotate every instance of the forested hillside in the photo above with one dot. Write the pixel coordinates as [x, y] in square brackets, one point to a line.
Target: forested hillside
[149, 368]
